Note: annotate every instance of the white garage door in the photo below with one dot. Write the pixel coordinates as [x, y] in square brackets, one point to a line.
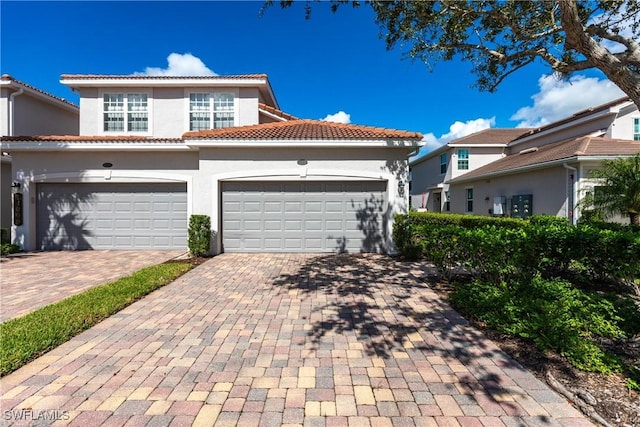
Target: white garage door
[112, 216]
[304, 217]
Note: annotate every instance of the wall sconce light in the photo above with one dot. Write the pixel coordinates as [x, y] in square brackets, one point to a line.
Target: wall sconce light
[401, 188]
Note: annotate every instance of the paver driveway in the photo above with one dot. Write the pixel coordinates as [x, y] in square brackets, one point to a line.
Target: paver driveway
[32, 280]
[285, 339]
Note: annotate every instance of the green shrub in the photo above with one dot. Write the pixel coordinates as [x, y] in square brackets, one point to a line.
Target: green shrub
[199, 235]
[9, 248]
[553, 314]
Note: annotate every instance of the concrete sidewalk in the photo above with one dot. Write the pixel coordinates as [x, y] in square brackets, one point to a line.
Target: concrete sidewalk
[283, 339]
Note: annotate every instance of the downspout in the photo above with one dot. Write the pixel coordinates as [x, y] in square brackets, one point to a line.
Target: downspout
[571, 202]
[11, 109]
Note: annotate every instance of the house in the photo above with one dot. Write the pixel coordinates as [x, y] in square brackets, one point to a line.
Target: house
[153, 150]
[546, 170]
[430, 173]
[27, 110]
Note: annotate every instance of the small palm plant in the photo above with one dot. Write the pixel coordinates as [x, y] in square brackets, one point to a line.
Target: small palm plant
[618, 189]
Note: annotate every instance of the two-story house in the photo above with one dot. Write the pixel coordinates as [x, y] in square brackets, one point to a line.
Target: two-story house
[546, 170]
[430, 173]
[153, 150]
[27, 110]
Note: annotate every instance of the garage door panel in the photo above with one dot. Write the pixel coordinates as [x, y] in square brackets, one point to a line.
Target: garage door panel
[300, 216]
[111, 216]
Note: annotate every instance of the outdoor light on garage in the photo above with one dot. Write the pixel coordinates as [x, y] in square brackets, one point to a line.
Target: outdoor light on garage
[401, 188]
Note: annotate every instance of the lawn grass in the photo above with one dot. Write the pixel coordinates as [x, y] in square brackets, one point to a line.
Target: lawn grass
[27, 337]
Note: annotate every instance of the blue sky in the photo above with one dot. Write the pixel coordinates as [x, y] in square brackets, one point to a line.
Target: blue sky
[331, 65]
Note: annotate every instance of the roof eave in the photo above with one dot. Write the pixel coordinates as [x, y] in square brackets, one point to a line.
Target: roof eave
[336, 143]
[462, 179]
[64, 104]
[17, 146]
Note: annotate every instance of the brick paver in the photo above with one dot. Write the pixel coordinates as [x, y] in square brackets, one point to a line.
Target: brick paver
[285, 339]
[32, 280]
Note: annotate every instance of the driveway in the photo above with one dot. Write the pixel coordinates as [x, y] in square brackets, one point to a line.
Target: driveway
[34, 279]
[265, 339]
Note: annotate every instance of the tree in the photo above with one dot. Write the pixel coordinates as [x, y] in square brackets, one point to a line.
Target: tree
[501, 36]
[618, 189]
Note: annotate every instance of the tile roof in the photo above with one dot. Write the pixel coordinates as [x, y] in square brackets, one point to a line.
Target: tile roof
[491, 136]
[303, 129]
[563, 150]
[84, 138]
[575, 116]
[147, 77]
[9, 78]
[276, 112]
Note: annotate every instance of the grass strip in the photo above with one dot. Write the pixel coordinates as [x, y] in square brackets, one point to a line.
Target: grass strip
[25, 338]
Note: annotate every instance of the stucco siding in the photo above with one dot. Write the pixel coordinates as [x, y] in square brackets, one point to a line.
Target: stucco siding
[248, 106]
[548, 186]
[281, 164]
[4, 111]
[29, 168]
[5, 194]
[90, 112]
[170, 113]
[33, 116]
[623, 126]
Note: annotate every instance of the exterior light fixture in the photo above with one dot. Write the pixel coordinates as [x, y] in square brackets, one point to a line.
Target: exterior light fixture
[302, 162]
[401, 188]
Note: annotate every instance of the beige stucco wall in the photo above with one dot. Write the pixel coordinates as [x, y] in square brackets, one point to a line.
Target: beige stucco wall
[549, 187]
[5, 194]
[204, 170]
[30, 168]
[34, 116]
[168, 108]
[622, 128]
[323, 164]
[426, 177]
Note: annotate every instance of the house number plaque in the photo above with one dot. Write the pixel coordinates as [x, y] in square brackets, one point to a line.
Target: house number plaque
[17, 209]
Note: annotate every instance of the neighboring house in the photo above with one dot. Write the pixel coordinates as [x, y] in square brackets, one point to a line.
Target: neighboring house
[27, 110]
[546, 170]
[430, 173]
[154, 150]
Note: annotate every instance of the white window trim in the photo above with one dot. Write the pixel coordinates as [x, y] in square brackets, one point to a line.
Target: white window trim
[467, 159]
[126, 91]
[211, 91]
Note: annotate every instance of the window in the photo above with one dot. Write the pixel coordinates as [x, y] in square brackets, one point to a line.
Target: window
[469, 199]
[211, 111]
[636, 129]
[128, 111]
[443, 163]
[463, 159]
[447, 201]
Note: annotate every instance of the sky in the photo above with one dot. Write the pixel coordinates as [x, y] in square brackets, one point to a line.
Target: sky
[333, 66]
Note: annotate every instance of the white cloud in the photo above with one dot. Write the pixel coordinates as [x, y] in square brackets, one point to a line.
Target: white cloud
[339, 117]
[179, 65]
[457, 130]
[558, 99]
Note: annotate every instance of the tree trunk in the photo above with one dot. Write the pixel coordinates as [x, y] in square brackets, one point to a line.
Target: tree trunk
[576, 38]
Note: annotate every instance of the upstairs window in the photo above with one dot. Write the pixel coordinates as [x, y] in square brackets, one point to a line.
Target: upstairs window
[128, 111]
[443, 163]
[636, 129]
[211, 111]
[463, 159]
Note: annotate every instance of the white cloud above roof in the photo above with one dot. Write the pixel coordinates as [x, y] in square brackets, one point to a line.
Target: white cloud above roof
[179, 65]
[558, 99]
[457, 130]
[339, 117]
